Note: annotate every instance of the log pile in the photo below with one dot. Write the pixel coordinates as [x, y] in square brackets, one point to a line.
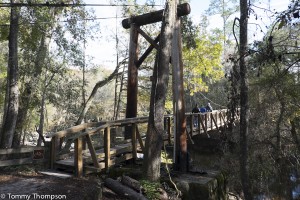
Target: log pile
[128, 188]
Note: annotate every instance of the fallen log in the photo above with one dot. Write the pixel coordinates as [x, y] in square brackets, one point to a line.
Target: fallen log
[132, 183]
[123, 190]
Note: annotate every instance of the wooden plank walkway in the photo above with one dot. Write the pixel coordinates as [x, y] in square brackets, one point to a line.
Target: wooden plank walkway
[115, 151]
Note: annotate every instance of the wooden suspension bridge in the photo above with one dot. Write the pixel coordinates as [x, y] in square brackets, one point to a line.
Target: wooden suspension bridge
[93, 155]
[90, 155]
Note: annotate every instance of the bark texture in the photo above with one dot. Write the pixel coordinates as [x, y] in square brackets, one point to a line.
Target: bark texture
[244, 102]
[12, 92]
[154, 140]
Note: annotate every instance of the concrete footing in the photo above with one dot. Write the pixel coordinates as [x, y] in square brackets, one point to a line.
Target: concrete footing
[204, 186]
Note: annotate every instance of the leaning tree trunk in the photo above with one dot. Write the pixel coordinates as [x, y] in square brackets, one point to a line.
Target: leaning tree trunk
[98, 85]
[154, 140]
[40, 130]
[244, 102]
[89, 102]
[12, 96]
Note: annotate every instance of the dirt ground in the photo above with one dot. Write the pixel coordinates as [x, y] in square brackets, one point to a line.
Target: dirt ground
[30, 184]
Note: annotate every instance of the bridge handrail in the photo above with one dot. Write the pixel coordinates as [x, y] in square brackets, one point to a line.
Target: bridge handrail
[206, 121]
[121, 122]
[97, 125]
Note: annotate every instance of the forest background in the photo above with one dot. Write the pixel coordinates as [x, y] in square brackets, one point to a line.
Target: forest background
[48, 83]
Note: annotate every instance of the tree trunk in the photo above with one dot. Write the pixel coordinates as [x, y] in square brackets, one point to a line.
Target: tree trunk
[244, 102]
[27, 94]
[154, 139]
[12, 100]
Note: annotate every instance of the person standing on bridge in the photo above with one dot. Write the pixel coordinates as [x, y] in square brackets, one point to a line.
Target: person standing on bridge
[195, 110]
[209, 107]
[202, 109]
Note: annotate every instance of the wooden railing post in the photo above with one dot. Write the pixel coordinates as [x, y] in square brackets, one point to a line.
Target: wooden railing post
[191, 124]
[199, 125]
[133, 141]
[210, 120]
[205, 119]
[53, 152]
[78, 157]
[216, 114]
[107, 148]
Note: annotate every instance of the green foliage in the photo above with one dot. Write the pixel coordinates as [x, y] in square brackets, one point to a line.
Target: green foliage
[151, 189]
[202, 64]
[4, 21]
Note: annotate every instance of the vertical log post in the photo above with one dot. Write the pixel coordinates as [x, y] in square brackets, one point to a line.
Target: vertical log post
[133, 141]
[181, 158]
[78, 157]
[53, 152]
[132, 80]
[211, 121]
[205, 119]
[192, 124]
[216, 114]
[199, 124]
[107, 148]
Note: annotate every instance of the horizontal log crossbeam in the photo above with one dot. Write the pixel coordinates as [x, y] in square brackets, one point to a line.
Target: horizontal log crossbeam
[153, 17]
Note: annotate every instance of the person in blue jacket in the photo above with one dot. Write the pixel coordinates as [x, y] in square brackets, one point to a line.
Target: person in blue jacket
[202, 109]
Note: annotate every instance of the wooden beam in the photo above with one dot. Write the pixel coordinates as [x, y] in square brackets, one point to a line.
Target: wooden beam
[133, 141]
[53, 152]
[199, 125]
[138, 135]
[153, 17]
[214, 120]
[205, 121]
[223, 118]
[192, 118]
[19, 161]
[78, 161]
[148, 38]
[146, 53]
[92, 151]
[20, 150]
[75, 129]
[107, 148]
[202, 123]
